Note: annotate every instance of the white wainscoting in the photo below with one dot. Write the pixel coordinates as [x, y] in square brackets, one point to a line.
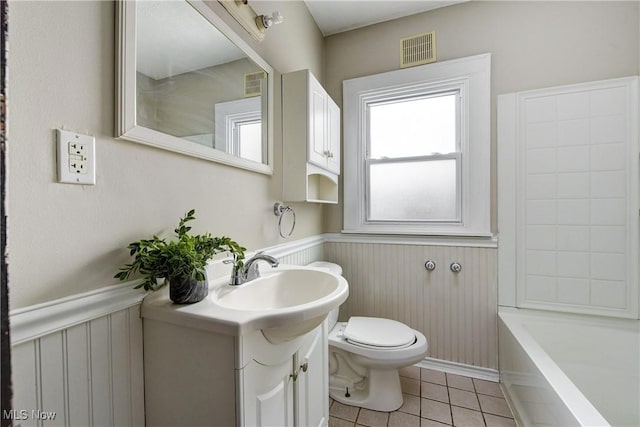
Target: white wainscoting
[82, 357]
[299, 252]
[457, 312]
[88, 373]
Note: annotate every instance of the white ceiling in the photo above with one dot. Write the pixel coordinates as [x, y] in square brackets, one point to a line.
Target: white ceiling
[336, 16]
[173, 38]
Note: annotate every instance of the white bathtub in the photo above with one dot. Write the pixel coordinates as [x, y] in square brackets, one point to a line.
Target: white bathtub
[570, 370]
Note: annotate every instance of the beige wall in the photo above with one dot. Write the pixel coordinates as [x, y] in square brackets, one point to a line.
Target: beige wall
[66, 239]
[533, 45]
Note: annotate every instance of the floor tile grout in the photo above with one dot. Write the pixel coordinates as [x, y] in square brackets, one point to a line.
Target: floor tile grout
[446, 382]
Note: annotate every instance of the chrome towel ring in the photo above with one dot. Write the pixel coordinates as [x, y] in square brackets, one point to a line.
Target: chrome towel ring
[280, 210]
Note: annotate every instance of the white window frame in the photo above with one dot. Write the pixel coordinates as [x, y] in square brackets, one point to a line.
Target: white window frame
[230, 114]
[234, 122]
[418, 93]
[472, 77]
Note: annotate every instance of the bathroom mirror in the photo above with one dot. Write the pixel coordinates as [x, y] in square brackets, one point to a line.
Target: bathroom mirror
[189, 84]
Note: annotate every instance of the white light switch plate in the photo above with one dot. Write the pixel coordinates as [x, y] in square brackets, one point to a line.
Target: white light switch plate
[76, 158]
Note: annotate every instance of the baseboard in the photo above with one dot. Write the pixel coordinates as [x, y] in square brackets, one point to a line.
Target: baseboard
[460, 369]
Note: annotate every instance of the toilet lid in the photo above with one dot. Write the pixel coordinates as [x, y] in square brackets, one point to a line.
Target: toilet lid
[376, 332]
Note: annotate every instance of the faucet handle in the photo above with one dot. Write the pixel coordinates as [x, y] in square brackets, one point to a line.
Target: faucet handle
[254, 269]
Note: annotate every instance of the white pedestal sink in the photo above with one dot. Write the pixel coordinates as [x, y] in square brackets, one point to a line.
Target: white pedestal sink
[252, 354]
[285, 294]
[284, 303]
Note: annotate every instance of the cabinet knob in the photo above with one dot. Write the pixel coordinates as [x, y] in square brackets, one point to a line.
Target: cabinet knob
[302, 368]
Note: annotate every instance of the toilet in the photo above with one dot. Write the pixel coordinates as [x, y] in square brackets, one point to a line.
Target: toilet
[365, 354]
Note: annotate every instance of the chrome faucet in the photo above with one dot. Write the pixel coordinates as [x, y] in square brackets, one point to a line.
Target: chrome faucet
[250, 270]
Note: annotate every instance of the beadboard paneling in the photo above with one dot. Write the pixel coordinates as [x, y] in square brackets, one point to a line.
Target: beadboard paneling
[299, 252]
[81, 356]
[89, 370]
[456, 312]
[89, 374]
[305, 256]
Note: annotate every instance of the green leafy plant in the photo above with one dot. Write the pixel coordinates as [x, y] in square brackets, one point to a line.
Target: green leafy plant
[177, 259]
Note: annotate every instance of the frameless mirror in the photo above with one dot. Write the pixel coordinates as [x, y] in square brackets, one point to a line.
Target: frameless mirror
[189, 84]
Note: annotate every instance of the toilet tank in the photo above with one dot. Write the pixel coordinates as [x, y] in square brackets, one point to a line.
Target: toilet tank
[336, 269]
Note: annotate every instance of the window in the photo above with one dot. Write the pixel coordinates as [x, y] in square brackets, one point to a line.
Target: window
[416, 146]
[247, 138]
[413, 145]
[238, 128]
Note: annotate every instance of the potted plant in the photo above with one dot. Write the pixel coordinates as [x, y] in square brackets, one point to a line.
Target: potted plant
[181, 262]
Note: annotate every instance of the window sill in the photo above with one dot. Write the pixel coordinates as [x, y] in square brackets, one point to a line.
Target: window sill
[431, 239]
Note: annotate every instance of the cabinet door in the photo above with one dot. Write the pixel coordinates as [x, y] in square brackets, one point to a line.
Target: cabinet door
[313, 385]
[317, 124]
[333, 137]
[267, 395]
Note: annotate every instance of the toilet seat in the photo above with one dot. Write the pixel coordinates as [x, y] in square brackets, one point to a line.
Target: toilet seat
[379, 356]
[377, 333]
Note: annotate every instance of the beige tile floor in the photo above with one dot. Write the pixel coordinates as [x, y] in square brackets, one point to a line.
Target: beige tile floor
[433, 399]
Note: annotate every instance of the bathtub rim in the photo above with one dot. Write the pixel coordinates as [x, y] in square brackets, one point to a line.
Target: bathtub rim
[581, 408]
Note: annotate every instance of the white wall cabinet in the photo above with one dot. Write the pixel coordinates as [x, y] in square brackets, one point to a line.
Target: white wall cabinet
[311, 140]
[199, 378]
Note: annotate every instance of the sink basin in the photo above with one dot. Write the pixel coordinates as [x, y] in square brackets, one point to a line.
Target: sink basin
[284, 289]
[283, 304]
[290, 301]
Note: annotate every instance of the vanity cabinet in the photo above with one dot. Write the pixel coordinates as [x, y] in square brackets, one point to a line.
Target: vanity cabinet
[288, 391]
[311, 140]
[312, 384]
[196, 377]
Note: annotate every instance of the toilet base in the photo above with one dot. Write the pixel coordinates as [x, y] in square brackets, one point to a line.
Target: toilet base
[382, 392]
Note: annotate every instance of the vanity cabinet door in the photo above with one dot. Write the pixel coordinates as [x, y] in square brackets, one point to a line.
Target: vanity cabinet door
[267, 394]
[312, 385]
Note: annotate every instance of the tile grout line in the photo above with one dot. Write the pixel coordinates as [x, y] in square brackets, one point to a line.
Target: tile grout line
[422, 416]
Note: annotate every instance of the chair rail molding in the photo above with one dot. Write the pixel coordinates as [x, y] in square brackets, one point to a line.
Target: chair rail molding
[38, 320]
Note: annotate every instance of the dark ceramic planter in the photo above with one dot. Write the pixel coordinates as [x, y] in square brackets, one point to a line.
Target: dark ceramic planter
[187, 290]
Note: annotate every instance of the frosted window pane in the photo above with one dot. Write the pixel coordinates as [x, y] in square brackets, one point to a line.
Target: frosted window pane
[413, 127]
[250, 139]
[413, 191]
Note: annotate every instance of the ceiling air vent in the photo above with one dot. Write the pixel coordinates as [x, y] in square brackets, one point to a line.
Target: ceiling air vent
[253, 83]
[418, 49]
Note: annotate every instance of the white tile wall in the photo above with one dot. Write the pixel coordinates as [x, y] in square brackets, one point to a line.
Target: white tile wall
[575, 190]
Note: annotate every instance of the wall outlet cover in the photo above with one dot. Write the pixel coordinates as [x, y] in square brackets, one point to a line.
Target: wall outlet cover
[76, 157]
